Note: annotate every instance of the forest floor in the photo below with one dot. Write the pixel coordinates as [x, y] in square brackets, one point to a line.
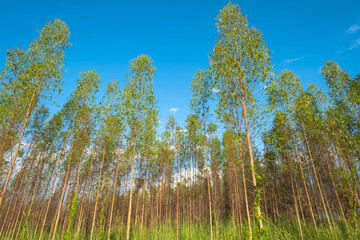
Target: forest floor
[283, 229]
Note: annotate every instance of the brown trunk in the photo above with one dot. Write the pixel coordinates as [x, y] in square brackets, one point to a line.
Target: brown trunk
[97, 196]
[244, 178]
[114, 189]
[84, 194]
[27, 116]
[316, 178]
[177, 191]
[245, 194]
[131, 185]
[58, 210]
[304, 182]
[252, 165]
[293, 193]
[208, 180]
[52, 189]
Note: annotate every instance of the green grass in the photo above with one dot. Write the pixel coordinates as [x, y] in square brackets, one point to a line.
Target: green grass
[283, 229]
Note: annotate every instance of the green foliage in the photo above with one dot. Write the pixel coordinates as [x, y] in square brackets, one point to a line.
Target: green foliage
[139, 97]
[71, 217]
[100, 223]
[284, 229]
[240, 60]
[307, 124]
[25, 227]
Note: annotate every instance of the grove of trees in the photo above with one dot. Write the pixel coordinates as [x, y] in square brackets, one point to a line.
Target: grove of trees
[260, 157]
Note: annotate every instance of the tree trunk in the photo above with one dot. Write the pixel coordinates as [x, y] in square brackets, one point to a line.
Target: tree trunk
[131, 185]
[27, 116]
[97, 196]
[252, 165]
[114, 189]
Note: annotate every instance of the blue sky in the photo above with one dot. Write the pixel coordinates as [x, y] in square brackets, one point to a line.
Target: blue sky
[179, 35]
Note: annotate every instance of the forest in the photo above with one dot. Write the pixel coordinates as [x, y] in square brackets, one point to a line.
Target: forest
[260, 156]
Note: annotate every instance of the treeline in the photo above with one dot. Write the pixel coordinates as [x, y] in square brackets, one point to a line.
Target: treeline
[97, 165]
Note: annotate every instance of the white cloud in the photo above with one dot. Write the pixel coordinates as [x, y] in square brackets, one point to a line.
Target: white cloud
[215, 90]
[355, 44]
[288, 61]
[353, 29]
[173, 110]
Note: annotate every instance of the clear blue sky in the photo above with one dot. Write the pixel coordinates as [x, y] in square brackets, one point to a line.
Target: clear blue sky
[179, 35]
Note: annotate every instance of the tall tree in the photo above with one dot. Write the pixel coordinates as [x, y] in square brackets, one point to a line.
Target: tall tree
[114, 91]
[33, 74]
[200, 104]
[282, 93]
[80, 108]
[138, 100]
[239, 61]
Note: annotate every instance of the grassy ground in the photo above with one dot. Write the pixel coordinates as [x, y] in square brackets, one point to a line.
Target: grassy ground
[283, 229]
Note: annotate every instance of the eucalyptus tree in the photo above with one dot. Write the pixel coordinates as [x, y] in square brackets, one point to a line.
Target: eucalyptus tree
[42, 153]
[344, 119]
[147, 142]
[37, 152]
[200, 104]
[167, 158]
[231, 150]
[343, 88]
[32, 75]
[240, 60]
[279, 136]
[115, 92]
[54, 133]
[173, 133]
[163, 177]
[88, 168]
[216, 167]
[321, 139]
[110, 134]
[138, 101]
[282, 93]
[80, 110]
[345, 102]
[307, 112]
[193, 138]
[180, 160]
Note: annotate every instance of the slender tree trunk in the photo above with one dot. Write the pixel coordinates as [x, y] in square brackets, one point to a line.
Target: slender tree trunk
[144, 191]
[52, 189]
[237, 194]
[57, 214]
[40, 212]
[19, 186]
[84, 194]
[177, 191]
[316, 178]
[303, 179]
[114, 189]
[97, 195]
[208, 182]
[335, 189]
[244, 180]
[293, 193]
[131, 181]
[33, 186]
[252, 165]
[245, 193]
[27, 116]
